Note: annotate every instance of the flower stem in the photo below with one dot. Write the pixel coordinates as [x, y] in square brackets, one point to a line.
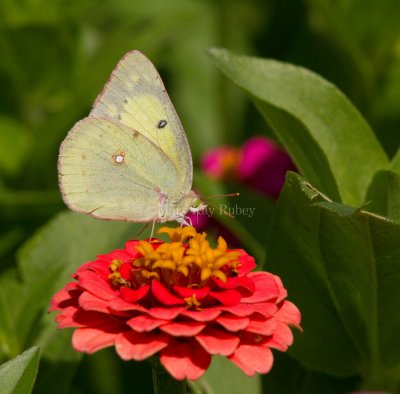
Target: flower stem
[164, 383]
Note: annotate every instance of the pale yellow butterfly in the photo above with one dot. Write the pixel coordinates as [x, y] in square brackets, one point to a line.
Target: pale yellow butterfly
[129, 159]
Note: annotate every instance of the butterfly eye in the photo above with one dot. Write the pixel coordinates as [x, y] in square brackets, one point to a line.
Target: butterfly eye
[161, 124]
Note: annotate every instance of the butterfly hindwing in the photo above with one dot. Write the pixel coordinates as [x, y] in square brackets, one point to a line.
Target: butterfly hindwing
[136, 97]
[113, 172]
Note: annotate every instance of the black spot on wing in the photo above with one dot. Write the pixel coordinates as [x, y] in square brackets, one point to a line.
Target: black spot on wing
[161, 124]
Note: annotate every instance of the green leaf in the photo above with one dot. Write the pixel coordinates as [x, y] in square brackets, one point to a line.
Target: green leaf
[234, 381]
[383, 195]
[289, 377]
[69, 240]
[18, 375]
[395, 163]
[329, 140]
[341, 267]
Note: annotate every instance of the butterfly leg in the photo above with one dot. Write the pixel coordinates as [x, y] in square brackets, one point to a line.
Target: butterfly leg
[184, 221]
[141, 231]
[152, 230]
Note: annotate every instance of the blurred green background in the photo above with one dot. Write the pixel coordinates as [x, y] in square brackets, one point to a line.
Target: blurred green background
[56, 55]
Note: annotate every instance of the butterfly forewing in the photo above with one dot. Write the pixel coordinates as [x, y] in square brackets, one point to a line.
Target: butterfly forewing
[136, 97]
[113, 172]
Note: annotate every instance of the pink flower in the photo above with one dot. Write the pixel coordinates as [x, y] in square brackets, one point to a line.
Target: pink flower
[259, 163]
[221, 163]
[182, 300]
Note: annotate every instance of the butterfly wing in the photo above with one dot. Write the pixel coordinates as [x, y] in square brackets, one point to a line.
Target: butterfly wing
[136, 97]
[113, 172]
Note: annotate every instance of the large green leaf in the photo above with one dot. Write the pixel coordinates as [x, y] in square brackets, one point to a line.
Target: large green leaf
[289, 377]
[234, 381]
[341, 266]
[329, 140]
[395, 163]
[383, 195]
[18, 375]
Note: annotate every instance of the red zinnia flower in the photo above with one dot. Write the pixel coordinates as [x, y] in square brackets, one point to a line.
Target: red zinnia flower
[182, 299]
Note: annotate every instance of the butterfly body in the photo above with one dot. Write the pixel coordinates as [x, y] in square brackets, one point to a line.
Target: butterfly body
[129, 159]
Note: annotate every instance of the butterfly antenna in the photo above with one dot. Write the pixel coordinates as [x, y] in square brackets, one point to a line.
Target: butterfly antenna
[223, 195]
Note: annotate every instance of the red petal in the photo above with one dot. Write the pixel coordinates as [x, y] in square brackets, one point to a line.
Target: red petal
[208, 314]
[241, 310]
[144, 323]
[288, 313]
[185, 359]
[282, 337]
[262, 325]
[118, 304]
[70, 286]
[234, 282]
[138, 346]
[216, 341]
[98, 266]
[166, 313]
[251, 359]
[247, 262]
[118, 254]
[90, 302]
[183, 329]
[266, 288]
[66, 318]
[163, 295]
[231, 283]
[134, 295]
[89, 340]
[267, 309]
[97, 319]
[247, 284]
[61, 300]
[91, 282]
[84, 267]
[282, 291]
[125, 270]
[232, 322]
[227, 297]
[185, 292]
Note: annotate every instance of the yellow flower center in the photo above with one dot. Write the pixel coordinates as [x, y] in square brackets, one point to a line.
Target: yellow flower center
[187, 260]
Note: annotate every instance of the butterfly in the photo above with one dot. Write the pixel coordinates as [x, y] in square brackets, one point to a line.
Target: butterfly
[129, 159]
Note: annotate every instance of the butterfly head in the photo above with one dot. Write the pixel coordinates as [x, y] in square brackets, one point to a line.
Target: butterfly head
[189, 202]
[197, 205]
